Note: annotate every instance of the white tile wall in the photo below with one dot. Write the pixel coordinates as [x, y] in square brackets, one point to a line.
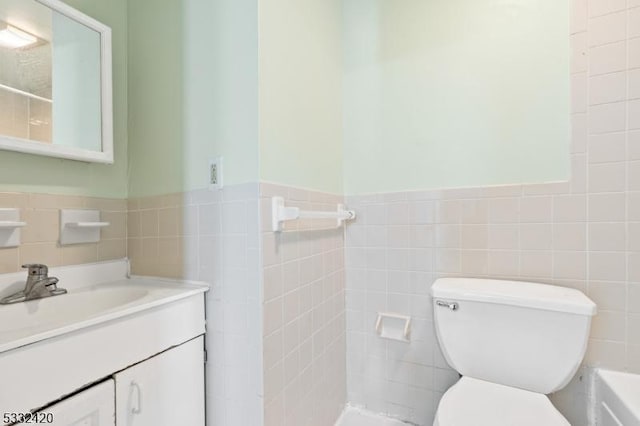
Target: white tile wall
[212, 236]
[583, 234]
[304, 314]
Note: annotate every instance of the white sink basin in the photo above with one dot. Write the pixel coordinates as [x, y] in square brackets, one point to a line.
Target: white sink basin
[35, 320]
[51, 347]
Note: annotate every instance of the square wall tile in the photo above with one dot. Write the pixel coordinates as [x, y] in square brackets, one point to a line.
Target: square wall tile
[570, 236]
[634, 114]
[633, 236]
[634, 176]
[607, 236]
[536, 209]
[607, 118]
[504, 236]
[608, 295]
[578, 13]
[579, 99]
[608, 58]
[534, 236]
[579, 131]
[607, 207]
[633, 202]
[536, 264]
[606, 354]
[603, 7]
[579, 50]
[504, 263]
[634, 21]
[570, 208]
[609, 177]
[607, 266]
[607, 147]
[634, 54]
[504, 210]
[608, 28]
[570, 265]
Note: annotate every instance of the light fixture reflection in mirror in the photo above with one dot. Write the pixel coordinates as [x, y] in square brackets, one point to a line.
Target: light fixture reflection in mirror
[55, 81]
[26, 79]
[15, 38]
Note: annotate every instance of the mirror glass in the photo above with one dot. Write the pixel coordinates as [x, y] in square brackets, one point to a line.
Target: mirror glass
[52, 81]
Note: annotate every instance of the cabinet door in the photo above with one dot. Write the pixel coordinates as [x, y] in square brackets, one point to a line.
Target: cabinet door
[91, 407]
[166, 390]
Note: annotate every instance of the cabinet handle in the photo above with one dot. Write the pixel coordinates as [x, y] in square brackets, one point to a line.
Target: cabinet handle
[136, 404]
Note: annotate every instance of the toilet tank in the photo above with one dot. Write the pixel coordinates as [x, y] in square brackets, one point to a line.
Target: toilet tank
[526, 335]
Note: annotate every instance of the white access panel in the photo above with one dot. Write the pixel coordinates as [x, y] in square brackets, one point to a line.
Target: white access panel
[92, 407]
[165, 390]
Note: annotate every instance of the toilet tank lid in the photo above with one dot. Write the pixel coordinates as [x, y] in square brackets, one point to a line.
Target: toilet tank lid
[515, 293]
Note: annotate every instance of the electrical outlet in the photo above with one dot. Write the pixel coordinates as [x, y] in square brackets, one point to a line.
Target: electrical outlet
[215, 173]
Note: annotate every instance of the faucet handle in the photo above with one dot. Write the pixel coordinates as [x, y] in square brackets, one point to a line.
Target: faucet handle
[37, 269]
[51, 283]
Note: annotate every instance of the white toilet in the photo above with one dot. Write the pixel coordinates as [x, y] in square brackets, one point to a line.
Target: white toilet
[513, 343]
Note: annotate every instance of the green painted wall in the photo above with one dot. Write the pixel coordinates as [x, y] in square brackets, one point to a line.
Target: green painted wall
[367, 96]
[155, 96]
[455, 93]
[192, 93]
[300, 93]
[199, 88]
[25, 172]
[372, 95]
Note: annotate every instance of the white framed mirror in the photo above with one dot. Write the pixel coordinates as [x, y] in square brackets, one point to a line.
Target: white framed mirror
[55, 81]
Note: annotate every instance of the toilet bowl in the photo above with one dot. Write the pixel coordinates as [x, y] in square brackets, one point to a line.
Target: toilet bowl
[513, 343]
[479, 403]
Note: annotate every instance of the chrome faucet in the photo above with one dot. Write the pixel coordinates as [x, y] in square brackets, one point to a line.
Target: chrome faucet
[38, 285]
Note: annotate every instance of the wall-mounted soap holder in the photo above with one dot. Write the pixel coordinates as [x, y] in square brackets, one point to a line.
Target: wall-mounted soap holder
[80, 226]
[10, 225]
[393, 326]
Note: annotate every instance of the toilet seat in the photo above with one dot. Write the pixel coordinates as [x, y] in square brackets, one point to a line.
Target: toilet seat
[473, 402]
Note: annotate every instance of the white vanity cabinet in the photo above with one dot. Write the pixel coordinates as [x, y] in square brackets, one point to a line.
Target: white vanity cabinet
[165, 390]
[91, 407]
[141, 336]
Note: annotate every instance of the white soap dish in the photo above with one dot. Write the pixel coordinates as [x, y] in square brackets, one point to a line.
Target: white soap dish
[87, 224]
[80, 226]
[10, 225]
